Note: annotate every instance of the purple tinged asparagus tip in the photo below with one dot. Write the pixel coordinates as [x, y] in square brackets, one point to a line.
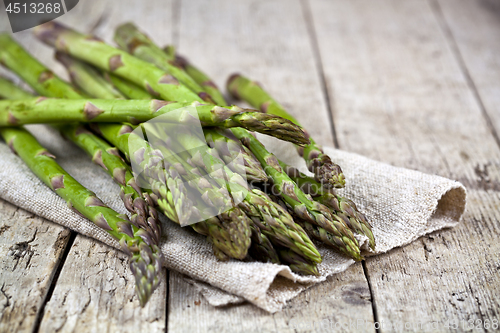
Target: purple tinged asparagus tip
[157, 104]
[44, 76]
[91, 111]
[11, 119]
[119, 175]
[97, 159]
[168, 79]
[57, 182]
[46, 153]
[115, 62]
[101, 222]
[93, 201]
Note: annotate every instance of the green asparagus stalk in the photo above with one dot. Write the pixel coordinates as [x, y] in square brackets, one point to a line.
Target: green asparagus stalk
[227, 232]
[236, 156]
[308, 185]
[297, 263]
[325, 171]
[201, 78]
[127, 88]
[145, 256]
[49, 110]
[36, 75]
[140, 205]
[30, 70]
[87, 78]
[307, 209]
[261, 248]
[170, 194]
[129, 38]
[272, 219]
[107, 58]
[342, 207]
[346, 209]
[143, 214]
[232, 219]
[8, 90]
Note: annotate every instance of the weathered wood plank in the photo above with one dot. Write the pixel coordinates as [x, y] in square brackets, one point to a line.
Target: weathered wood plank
[108, 302]
[399, 96]
[30, 251]
[475, 28]
[267, 41]
[335, 305]
[96, 292]
[264, 40]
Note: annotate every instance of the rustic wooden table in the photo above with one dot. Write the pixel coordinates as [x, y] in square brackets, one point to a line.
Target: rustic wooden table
[411, 83]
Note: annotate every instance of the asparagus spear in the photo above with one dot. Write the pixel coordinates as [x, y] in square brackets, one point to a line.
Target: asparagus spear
[14, 113]
[143, 214]
[308, 185]
[297, 263]
[218, 197]
[201, 78]
[271, 218]
[236, 156]
[325, 171]
[87, 78]
[261, 248]
[36, 75]
[346, 209]
[145, 256]
[9, 90]
[129, 38]
[342, 207]
[229, 237]
[307, 209]
[107, 58]
[28, 70]
[127, 88]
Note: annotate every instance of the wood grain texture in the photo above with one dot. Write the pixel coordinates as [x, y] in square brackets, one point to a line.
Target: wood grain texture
[89, 296]
[95, 289]
[96, 292]
[268, 41]
[265, 40]
[30, 251]
[401, 97]
[475, 29]
[334, 305]
[399, 92]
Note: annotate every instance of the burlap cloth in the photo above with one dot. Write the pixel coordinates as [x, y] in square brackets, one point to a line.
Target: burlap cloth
[401, 204]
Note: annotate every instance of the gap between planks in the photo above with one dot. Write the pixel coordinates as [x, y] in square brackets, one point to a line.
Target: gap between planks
[452, 43]
[50, 291]
[309, 21]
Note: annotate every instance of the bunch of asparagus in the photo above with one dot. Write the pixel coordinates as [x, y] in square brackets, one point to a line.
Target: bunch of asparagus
[246, 202]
